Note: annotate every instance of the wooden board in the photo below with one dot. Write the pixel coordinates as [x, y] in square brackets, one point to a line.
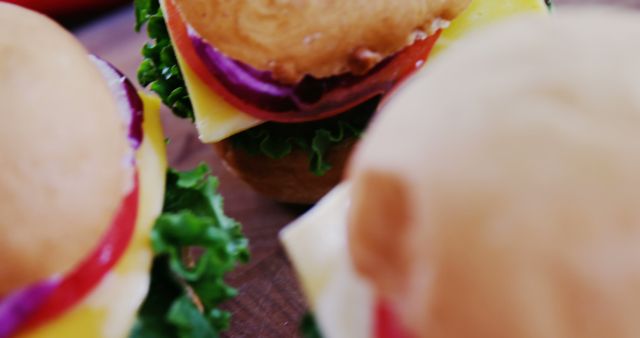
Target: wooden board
[270, 303]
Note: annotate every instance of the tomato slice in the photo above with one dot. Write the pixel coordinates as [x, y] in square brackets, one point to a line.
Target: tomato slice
[85, 277]
[311, 99]
[386, 323]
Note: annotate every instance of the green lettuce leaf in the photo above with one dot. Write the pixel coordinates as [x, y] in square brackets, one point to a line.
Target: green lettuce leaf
[309, 327]
[277, 140]
[195, 245]
[159, 69]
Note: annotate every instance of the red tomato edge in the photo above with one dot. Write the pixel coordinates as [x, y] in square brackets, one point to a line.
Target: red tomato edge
[386, 323]
[85, 277]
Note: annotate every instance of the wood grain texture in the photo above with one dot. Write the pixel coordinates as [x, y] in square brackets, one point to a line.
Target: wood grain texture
[270, 303]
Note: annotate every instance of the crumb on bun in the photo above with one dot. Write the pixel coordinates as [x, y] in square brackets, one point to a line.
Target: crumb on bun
[63, 149]
[317, 37]
[516, 184]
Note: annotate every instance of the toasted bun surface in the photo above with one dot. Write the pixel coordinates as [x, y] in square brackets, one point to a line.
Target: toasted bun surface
[289, 179]
[318, 37]
[63, 148]
[512, 207]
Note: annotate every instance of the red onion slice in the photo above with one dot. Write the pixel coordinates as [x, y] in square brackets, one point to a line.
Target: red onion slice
[129, 103]
[311, 98]
[16, 307]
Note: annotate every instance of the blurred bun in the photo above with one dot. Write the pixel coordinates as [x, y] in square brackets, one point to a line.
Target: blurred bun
[63, 149]
[287, 180]
[511, 208]
[317, 37]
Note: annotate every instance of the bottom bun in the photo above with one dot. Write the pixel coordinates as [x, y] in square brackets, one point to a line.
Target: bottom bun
[288, 179]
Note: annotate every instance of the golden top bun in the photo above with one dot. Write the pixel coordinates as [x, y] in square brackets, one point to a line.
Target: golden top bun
[498, 194]
[293, 38]
[63, 149]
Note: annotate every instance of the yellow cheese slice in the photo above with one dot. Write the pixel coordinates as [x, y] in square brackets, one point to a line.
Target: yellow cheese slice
[481, 13]
[109, 310]
[215, 119]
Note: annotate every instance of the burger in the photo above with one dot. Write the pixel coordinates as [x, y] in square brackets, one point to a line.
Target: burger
[82, 191]
[284, 89]
[509, 213]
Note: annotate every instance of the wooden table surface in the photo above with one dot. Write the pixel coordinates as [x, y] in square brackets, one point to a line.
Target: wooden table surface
[270, 303]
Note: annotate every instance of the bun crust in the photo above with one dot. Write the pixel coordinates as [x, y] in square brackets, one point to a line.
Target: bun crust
[286, 180]
[63, 149]
[516, 208]
[317, 37]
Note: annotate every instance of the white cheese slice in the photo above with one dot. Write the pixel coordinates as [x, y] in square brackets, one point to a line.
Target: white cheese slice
[341, 301]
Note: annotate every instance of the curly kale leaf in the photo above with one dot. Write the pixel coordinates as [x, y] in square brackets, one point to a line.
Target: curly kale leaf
[195, 245]
[277, 140]
[159, 69]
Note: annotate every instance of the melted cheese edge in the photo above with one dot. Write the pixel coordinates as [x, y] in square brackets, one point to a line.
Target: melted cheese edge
[110, 309]
[215, 119]
[481, 13]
